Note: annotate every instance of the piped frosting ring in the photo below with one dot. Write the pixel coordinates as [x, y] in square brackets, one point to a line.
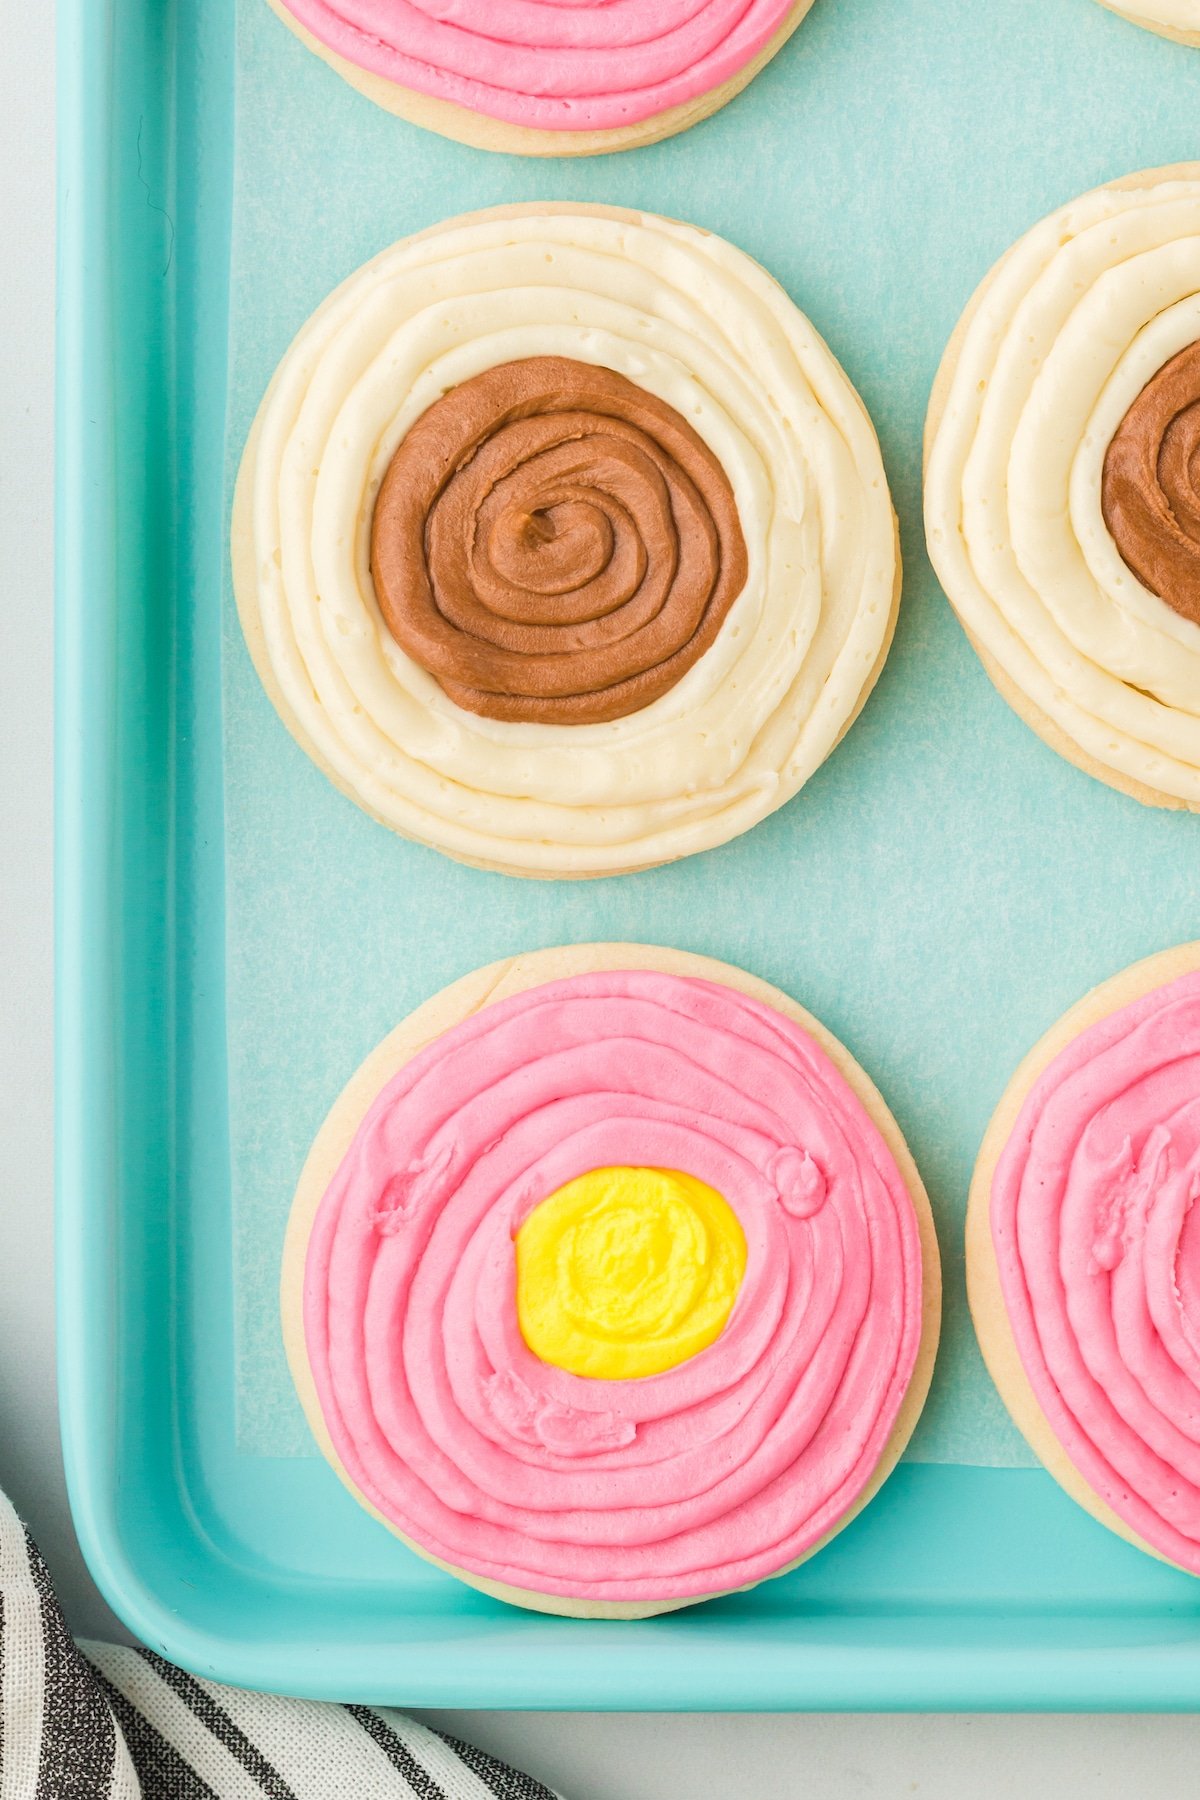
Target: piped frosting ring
[1084, 1253]
[1062, 494]
[744, 1199]
[631, 583]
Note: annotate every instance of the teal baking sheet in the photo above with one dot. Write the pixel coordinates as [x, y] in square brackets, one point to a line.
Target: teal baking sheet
[235, 935]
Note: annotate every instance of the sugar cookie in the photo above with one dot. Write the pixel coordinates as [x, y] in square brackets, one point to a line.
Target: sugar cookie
[561, 542]
[533, 80]
[1083, 1253]
[1062, 489]
[1175, 19]
[689, 1196]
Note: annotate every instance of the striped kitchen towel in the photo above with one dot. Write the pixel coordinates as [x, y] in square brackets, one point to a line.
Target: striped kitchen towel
[100, 1722]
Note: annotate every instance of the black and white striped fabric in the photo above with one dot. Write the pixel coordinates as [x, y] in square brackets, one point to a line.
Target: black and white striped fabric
[100, 1722]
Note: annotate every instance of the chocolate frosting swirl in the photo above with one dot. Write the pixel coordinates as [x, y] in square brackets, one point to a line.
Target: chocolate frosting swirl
[554, 544]
[1150, 494]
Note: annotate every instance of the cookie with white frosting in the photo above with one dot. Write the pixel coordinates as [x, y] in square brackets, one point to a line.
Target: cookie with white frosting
[610, 1284]
[562, 543]
[1175, 19]
[1062, 484]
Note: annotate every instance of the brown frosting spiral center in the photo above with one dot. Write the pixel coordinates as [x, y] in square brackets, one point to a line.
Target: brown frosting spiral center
[553, 543]
[1150, 494]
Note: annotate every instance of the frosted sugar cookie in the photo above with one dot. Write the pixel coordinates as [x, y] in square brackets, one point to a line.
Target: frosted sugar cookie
[1062, 489]
[547, 80]
[1177, 19]
[1083, 1253]
[610, 1284]
[562, 543]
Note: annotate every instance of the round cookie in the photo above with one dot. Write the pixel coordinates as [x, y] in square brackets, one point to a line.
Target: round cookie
[716, 1444]
[1082, 1272]
[601, 79]
[631, 581]
[1040, 411]
[1178, 20]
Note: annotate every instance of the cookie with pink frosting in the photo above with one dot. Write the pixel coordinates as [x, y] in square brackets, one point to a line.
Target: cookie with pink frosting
[610, 1284]
[1083, 1253]
[535, 80]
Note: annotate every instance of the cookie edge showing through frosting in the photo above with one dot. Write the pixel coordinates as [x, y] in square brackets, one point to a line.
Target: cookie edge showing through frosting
[479, 131]
[989, 1312]
[1051, 733]
[462, 999]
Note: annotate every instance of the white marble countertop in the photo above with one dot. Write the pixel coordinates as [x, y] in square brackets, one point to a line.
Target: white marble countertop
[586, 1756]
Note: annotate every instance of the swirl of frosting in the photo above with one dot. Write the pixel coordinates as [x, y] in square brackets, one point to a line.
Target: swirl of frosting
[1040, 510]
[704, 337]
[1151, 485]
[719, 1469]
[1097, 1240]
[552, 68]
[627, 1271]
[553, 543]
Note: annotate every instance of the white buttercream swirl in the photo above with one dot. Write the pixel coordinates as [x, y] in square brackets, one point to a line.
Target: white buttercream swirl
[1070, 328]
[688, 318]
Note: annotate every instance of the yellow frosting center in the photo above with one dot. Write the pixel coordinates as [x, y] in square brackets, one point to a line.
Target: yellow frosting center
[627, 1272]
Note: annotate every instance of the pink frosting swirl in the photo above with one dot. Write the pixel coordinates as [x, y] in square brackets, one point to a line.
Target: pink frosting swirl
[717, 1472]
[1098, 1244]
[565, 66]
